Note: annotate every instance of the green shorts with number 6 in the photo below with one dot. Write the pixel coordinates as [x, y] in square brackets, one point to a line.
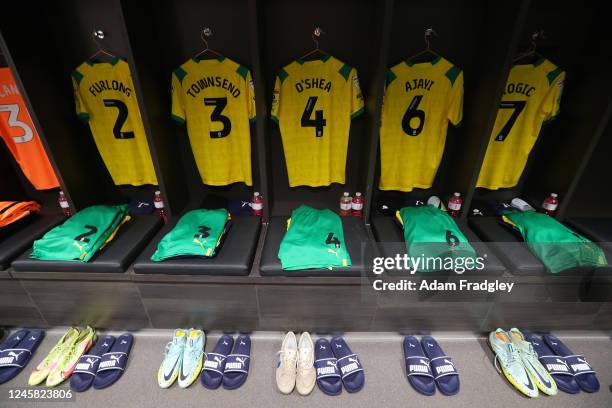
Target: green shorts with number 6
[314, 239]
[432, 235]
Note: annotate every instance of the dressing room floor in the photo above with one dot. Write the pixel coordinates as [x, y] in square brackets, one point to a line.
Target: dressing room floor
[380, 353]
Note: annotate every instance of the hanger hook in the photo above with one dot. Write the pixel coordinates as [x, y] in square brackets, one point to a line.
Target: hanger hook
[98, 35]
[206, 32]
[429, 32]
[317, 32]
[537, 36]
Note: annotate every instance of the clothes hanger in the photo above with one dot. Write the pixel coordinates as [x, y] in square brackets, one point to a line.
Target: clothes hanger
[532, 49]
[429, 32]
[317, 32]
[99, 35]
[206, 32]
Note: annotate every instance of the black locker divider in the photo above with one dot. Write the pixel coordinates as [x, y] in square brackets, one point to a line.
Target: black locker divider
[60, 37]
[165, 34]
[572, 41]
[592, 196]
[478, 38]
[261, 106]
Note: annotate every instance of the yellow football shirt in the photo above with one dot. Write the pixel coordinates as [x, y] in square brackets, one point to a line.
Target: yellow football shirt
[313, 103]
[217, 100]
[105, 98]
[420, 99]
[531, 97]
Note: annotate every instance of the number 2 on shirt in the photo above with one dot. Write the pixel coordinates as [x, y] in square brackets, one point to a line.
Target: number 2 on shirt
[121, 118]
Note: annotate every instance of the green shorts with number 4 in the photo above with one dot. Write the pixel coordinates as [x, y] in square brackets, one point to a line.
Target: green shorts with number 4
[434, 237]
[197, 233]
[314, 239]
[82, 235]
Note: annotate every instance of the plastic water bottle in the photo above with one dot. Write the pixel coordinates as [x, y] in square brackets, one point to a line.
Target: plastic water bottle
[257, 205]
[454, 205]
[345, 204]
[63, 203]
[357, 205]
[550, 204]
[158, 201]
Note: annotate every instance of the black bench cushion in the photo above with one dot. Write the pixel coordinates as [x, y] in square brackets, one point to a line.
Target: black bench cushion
[355, 236]
[22, 235]
[391, 242]
[509, 247]
[512, 250]
[114, 258]
[596, 229]
[234, 258]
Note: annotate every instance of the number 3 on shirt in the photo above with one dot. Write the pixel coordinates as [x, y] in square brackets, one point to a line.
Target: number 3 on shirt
[13, 121]
[216, 116]
[318, 122]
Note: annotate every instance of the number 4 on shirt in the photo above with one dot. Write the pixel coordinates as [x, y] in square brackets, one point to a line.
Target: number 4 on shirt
[318, 122]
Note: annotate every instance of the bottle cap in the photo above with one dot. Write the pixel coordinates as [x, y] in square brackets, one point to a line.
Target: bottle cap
[358, 194]
[457, 195]
[157, 192]
[553, 195]
[256, 194]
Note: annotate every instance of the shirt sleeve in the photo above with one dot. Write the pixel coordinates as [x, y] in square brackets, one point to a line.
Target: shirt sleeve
[275, 113]
[250, 88]
[552, 101]
[178, 108]
[357, 105]
[81, 109]
[455, 109]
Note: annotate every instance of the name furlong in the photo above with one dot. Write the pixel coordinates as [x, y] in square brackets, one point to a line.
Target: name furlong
[213, 82]
[96, 88]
